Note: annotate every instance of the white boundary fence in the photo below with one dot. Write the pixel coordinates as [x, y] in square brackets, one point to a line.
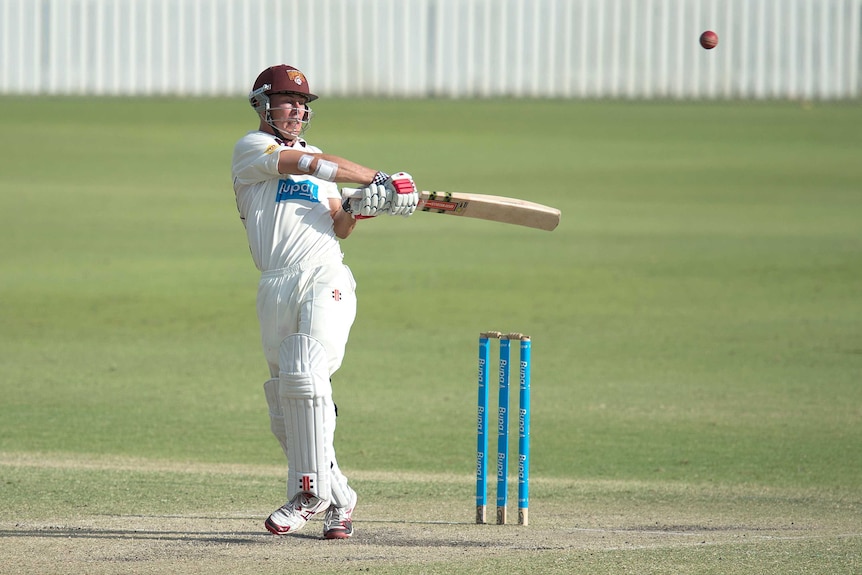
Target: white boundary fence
[798, 49]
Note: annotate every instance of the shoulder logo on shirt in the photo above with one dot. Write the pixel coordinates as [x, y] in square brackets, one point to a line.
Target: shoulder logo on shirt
[270, 149]
[291, 190]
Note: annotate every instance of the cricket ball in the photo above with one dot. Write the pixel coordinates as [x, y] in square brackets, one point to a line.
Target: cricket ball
[709, 40]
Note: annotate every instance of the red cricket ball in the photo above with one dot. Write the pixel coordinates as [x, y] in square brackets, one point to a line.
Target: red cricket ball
[709, 39]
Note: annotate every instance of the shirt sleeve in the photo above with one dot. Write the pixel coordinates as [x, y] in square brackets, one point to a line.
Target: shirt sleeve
[255, 159]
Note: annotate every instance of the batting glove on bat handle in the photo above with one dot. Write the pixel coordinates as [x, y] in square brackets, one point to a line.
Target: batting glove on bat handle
[402, 194]
[366, 202]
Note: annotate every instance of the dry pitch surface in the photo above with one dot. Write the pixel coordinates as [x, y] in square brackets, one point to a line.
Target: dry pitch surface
[609, 527]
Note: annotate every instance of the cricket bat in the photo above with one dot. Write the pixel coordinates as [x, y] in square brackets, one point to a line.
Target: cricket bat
[483, 207]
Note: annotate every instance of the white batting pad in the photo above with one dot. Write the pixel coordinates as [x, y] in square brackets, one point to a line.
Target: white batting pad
[305, 397]
[276, 415]
[341, 496]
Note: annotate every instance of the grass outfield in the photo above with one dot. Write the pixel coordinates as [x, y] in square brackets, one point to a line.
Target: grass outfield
[696, 323]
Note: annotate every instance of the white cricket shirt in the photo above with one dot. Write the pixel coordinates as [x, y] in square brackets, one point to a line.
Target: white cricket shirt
[286, 217]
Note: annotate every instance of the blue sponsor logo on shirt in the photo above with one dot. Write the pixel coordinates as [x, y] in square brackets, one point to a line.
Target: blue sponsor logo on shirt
[291, 190]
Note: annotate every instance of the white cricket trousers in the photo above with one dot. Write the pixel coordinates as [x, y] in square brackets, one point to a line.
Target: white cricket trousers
[317, 298]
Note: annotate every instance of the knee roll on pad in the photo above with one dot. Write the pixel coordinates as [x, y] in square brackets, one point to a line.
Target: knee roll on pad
[303, 368]
[305, 397]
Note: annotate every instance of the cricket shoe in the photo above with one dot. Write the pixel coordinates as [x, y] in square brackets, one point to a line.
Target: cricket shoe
[293, 515]
[338, 521]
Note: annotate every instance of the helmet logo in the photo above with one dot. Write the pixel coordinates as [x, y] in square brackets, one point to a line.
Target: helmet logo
[296, 76]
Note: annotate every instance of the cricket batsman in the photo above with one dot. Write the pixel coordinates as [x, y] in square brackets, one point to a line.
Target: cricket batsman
[294, 216]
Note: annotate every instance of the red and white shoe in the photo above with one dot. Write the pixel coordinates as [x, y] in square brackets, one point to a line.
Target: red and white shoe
[293, 515]
[338, 521]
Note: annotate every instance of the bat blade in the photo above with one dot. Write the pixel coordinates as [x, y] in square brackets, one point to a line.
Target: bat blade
[492, 208]
[485, 207]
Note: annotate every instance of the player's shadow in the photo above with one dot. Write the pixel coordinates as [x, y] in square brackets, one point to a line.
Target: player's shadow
[222, 537]
[135, 534]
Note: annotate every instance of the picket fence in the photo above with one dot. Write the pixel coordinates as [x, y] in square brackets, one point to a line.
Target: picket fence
[768, 49]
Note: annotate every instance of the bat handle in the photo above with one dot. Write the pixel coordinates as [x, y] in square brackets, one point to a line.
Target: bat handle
[351, 193]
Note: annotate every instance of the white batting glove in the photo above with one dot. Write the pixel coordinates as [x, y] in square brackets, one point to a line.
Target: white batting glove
[374, 201]
[402, 194]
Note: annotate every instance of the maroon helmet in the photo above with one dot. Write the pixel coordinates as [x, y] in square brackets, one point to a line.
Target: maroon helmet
[281, 79]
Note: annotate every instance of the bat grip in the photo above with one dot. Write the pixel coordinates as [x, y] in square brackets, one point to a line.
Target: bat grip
[351, 193]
